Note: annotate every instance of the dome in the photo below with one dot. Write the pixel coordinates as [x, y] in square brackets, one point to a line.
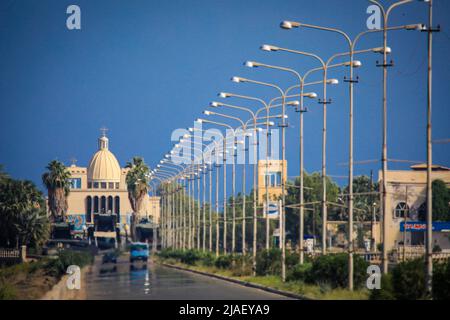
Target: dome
[103, 165]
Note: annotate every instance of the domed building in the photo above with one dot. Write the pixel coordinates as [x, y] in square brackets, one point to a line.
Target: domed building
[100, 190]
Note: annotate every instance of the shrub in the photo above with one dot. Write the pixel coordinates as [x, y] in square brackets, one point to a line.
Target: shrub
[208, 260]
[333, 269]
[189, 257]
[242, 265]
[441, 281]
[408, 280]
[386, 291]
[299, 272]
[7, 291]
[65, 258]
[224, 261]
[268, 262]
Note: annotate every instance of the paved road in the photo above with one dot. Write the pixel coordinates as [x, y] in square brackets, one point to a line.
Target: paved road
[156, 282]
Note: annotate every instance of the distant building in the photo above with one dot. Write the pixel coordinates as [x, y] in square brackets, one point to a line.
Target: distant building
[406, 200]
[269, 180]
[101, 189]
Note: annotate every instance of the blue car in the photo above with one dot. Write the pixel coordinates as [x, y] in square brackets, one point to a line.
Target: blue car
[139, 251]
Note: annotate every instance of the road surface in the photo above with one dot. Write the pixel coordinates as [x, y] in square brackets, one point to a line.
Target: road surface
[156, 282]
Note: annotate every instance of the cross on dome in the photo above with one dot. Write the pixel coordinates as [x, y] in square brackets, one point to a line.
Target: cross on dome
[103, 130]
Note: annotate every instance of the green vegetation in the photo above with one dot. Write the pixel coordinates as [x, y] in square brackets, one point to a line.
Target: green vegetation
[23, 216]
[441, 200]
[57, 267]
[31, 280]
[407, 282]
[137, 180]
[320, 278]
[57, 182]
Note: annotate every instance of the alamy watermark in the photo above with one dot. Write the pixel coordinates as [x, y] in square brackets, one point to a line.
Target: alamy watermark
[374, 279]
[73, 281]
[212, 146]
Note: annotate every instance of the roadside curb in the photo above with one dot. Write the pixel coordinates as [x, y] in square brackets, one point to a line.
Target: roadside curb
[240, 282]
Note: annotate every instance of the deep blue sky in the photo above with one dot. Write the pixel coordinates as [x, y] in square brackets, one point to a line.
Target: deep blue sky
[144, 68]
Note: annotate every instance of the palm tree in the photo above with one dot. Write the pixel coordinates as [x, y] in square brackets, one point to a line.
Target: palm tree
[32, 227]
[23, 216]
[137, 180]
[57, 182]
[3, 175]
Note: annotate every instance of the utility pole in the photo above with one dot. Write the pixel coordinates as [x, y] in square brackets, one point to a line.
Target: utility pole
[429, 249]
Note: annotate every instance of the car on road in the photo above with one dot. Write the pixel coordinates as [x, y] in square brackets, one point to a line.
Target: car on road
[110, 257]
[139, 251]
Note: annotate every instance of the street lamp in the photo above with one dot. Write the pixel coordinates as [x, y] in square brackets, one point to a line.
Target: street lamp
[283, 176]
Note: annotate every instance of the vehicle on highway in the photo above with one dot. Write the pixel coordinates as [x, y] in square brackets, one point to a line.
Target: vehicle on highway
[110, 257]
[139, 251]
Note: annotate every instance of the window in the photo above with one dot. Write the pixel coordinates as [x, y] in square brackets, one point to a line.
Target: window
[75, 183]
[117, 185]
[88, 208]
[89, 185]
[117, 205]
[401, 210]
[273, 179]
[110, 204]
[103, 204]
[103, 185]
[111, 185]
[95, 204]
[95, 185]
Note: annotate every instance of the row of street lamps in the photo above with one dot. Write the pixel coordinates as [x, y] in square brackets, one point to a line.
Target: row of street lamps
[184, 222]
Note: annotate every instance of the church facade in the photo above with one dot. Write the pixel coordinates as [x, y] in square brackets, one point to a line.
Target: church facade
[100, 188]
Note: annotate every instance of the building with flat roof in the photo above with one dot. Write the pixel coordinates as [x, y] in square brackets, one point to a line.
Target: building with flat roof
[406, 201]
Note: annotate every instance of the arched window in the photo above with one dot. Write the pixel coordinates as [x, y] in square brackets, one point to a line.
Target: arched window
[117, 205]
[110, 204]
[88, 209]
[95, 204]
[103, 204]
[401, 210]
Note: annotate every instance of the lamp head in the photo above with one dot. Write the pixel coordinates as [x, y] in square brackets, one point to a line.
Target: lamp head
[289, 24]
[418, 26]
[381, 50]
[198, 120]
[207, 113]
[237, 79]
[332, 81]
[356, 64]
[214, 104]
[223, 95]
[268, 47]
[251, 64]
[191, 129]
[294, 103]
[186, 136]
[311, 95]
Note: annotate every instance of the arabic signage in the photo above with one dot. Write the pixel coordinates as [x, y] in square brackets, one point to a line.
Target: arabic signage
[420, 226]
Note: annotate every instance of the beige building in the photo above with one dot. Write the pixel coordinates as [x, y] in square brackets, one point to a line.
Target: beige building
[100, 188]
[269, 175]
[406, 196]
